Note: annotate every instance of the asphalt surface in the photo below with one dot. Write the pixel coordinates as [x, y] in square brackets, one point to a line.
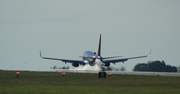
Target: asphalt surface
[127, 73]
[113, 72]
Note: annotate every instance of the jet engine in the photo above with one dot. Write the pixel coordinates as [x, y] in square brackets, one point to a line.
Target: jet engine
[75, 64]
[107, 64]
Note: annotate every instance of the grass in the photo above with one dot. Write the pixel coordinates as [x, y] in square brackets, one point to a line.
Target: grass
[84, 83]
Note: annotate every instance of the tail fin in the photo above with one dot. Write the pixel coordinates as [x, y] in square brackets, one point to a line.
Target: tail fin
[99, 48]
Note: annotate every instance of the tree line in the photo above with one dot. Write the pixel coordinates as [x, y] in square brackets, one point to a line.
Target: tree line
[155, 66]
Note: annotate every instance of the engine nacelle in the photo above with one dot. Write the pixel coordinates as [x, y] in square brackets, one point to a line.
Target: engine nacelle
[91, 63]
[75, 64]
[107, 64]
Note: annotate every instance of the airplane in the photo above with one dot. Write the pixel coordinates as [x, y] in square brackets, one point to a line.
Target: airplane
[93, 58]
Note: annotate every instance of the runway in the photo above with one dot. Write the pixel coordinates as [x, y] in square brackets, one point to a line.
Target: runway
[112, 72]
[126, 73]
[148, 73]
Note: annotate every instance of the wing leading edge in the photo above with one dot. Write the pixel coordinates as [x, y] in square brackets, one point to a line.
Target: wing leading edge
[63, 60]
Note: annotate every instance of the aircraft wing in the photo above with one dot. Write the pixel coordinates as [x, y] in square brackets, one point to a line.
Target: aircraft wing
[123, 59]
[63, 60]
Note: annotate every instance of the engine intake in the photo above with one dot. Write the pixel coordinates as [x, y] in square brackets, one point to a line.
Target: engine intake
[107, 64]
[75, 64]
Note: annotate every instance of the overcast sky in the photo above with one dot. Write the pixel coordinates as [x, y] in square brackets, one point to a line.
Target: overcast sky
[68, 28]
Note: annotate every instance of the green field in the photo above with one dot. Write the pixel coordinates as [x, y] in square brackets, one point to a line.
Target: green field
[84, 83]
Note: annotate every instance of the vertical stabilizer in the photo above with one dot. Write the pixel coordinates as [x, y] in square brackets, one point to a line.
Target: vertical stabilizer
[99, 48]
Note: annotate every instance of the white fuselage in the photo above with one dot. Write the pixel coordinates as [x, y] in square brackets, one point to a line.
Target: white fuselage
[92, 60]
[88, 56]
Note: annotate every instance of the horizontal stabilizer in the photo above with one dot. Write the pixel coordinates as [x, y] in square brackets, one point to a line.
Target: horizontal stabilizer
[101, 57]
[110, 57]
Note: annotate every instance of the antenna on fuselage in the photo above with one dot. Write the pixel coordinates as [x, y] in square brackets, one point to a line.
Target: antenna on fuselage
[99, 48]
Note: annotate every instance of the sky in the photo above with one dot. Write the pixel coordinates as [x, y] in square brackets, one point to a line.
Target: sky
[67, 28]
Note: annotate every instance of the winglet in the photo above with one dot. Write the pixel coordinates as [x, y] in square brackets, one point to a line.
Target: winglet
[150, 52]
[99, 48]
[40, 53]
